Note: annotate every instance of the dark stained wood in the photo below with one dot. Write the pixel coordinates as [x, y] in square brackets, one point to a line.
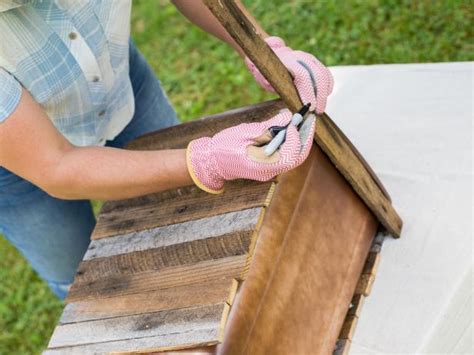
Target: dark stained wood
[348, 327]
[372, 263]
[199, 294]
[208, 249]
[342, 347]
[176, 206]
[327, 135]
[168, 325]
[311, 248]
[356, 305]
[214, 270]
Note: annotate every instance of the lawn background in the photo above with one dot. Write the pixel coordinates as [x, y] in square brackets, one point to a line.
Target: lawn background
[203, 76]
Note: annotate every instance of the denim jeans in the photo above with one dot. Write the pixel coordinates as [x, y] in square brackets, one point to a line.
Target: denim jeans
[53, 234]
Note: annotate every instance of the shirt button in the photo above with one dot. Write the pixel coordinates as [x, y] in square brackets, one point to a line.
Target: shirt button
[101, 113]
[95, 78]
[72, 35]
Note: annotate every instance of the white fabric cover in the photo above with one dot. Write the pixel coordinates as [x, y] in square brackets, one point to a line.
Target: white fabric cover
[413, 124]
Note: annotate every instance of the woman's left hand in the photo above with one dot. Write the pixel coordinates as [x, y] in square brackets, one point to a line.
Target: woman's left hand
[312, 79]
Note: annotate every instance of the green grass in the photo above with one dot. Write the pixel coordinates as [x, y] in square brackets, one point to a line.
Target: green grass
[203, 76]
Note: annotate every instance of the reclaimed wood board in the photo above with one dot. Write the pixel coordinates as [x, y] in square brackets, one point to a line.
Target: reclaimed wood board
[179, 205]
[162, 269]
[157, 259]
[178, 233]
[338, 148]
[231, 267]
[311, 249]
[169, 330]
[162, 323]
[362, 290]
[189, 295]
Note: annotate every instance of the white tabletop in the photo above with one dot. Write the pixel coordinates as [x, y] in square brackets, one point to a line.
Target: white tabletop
[413, 124]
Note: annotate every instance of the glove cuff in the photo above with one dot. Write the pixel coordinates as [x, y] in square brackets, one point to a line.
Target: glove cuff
[275, 42]
[202, 166]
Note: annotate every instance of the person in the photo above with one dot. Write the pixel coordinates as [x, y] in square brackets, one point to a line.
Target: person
[74, 89]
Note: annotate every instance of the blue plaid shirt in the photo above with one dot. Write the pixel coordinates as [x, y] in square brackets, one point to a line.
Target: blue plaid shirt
[72, 56]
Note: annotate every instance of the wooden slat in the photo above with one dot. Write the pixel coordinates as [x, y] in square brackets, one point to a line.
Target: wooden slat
[327, 136]
[211, 292]
[372, 263]
[154, 344]
[356, 305]
[348, 327]
[157, 259]
[120, 285]
[364, 285]
[180, 205]
[342, 347]
[175, 234]
[167, 325]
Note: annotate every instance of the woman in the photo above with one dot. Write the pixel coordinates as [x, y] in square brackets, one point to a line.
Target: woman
[74, 90]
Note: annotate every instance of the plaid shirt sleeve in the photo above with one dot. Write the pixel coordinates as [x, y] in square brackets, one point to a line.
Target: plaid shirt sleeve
[10, 94]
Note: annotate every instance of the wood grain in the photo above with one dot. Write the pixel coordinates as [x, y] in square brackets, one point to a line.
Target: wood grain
[365, 283]
[214, 226]
[200, 294]
[176, 206]
[356, 305]
[348, 327]
[157, 259]
[327, 135]
[164, 323]
[342, 347]
[298, 257]
[121, 285]
[154, 344]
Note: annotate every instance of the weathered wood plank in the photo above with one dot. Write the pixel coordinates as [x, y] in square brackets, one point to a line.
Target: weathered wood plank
[364, 285]
[327, 135]
[372, 263]
[179, 136]
[157, 259]
[175, 234]
[342, 347]
[180, 205]
[121, 285]
[148, 345]
[154, 344]
[211, 292]
[165, 323]
[348, 327]
[356, 305]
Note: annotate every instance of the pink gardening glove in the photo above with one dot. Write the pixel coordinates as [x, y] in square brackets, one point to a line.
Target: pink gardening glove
[237, 152]
[312, 79]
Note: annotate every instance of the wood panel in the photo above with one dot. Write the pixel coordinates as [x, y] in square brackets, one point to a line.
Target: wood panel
[199, 325]
[305, 270]
[200, 294]
[327, 136]
[180, 205]
[137, 283]
[157, 259]
[202, 228]
[155, 344]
